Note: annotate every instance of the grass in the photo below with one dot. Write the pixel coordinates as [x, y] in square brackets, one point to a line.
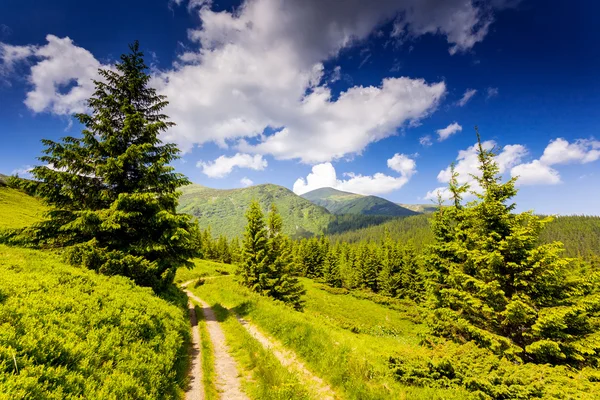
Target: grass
[69, 333]
[18, 210]
[355, 364]
[202, 269]
[208, 358]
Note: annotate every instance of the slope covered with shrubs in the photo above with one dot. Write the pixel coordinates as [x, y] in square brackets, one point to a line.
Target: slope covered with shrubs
[69, 333]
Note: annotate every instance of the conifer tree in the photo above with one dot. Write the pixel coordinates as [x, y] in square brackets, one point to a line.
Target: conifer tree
[280, 283]
[494, 284]
[254, 251]
[112, 191]
[331, 268]
[267, 266]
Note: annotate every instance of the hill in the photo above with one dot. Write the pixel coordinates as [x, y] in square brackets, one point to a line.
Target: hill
[224, 209]
[68, 332]
[3, 179]
[339, 202]
[17, 209]
[420, 208]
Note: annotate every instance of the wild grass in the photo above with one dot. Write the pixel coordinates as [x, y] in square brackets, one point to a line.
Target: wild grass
[208, 358]
[202, 269]
[69, 333]
[18, 210]
[355, 364]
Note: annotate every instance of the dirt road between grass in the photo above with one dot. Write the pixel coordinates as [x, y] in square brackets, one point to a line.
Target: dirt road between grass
[227, 375]
[195, 390]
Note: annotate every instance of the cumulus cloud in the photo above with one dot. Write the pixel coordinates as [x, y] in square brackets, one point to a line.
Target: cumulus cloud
[223, 165]
[467, 165]
[324, 175]
[448, 131]
[61, 77]
[537, 172]
[246, 182]
[402, 164]
[558, 151]
[469, 93]
[255, 78]
[425, 141]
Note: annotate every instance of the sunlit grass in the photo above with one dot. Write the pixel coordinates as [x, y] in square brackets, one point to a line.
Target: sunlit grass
[18, 210]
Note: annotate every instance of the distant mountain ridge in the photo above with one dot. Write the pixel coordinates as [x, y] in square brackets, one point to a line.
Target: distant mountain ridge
[224, 209]
[340, 202]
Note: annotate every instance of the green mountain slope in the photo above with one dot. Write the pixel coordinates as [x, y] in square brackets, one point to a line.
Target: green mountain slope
[223, 210]
[339, 202]
[420, 208]
[3, 179]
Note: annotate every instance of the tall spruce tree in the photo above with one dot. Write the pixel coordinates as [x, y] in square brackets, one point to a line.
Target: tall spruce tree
[494, 284]
[112, 192]
[254, 247]
[268, 264]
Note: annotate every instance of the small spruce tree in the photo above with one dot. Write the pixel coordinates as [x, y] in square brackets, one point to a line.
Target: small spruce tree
[112, 191]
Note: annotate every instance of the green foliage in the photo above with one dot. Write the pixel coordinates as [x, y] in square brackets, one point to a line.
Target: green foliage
[267, 261]
[495, 285]
[338, 202]
[68, 333]
[112, 192]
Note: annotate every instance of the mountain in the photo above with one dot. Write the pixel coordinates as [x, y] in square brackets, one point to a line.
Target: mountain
[3, 179]
[420, 208]
[339, 202]
[224, 209]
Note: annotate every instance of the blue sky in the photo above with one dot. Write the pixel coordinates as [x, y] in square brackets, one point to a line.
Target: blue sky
[365, 97]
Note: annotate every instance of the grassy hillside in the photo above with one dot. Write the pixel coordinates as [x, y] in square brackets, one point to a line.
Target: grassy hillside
[69, 333]
[339, 202]
[17, 209]
[3, 179]
[420, 208]
[224, 210]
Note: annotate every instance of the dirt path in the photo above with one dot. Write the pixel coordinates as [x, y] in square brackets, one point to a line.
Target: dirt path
[228, 382]
[289, 359]
[195, 390]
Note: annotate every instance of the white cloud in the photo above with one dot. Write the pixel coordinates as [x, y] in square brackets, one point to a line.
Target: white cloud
[260, 68]
[61, 77]
[402, 164]
[448, 131]
[467, 165]
[560, 151]
[324, 175]
[463, 22]
[425, 141]
[492, 92]
[536, 173]
[246, 182]
[223, 165]
[469, 93]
